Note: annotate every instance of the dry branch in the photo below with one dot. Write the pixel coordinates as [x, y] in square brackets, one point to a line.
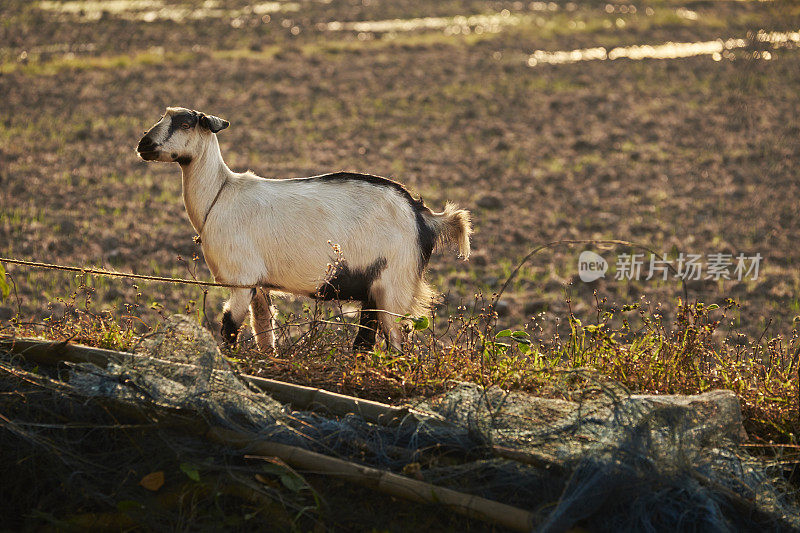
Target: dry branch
[51, 353]
[339, 404]
[299, 396]
[386, 482]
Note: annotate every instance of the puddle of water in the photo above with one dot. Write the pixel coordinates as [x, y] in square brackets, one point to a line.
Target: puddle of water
[717, 49]
[687, 14]
[152, 10]
[98, 6]
[450, 25]
[625, 9]
[779, 39]
[489, 23]
[550, 6]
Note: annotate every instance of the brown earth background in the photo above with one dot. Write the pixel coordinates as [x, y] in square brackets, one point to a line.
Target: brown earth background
[694, 155]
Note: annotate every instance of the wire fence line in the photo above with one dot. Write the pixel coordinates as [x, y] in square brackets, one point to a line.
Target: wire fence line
[162, 279]
[111, 273]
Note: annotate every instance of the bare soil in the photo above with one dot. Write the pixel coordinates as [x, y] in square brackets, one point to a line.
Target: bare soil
[682, 155]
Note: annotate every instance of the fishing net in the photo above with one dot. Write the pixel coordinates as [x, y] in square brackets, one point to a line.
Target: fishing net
[126, 445]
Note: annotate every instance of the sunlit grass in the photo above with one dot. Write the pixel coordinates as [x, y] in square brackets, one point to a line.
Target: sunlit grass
[631, 346]
[48, 67]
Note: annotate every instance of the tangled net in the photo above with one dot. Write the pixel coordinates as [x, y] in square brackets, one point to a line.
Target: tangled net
[127, 446]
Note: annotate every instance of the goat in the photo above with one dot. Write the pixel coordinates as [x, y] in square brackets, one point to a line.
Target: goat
[284, 235]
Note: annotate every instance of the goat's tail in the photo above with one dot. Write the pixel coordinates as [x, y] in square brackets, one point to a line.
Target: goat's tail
[452, 226]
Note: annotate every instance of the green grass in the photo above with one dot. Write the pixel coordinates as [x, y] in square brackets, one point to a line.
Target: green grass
[631, 346]
[50, 67]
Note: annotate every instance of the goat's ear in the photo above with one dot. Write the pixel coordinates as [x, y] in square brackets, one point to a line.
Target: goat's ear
[215, 124]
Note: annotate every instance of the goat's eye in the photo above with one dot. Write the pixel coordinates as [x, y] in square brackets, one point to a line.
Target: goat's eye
[185, 126]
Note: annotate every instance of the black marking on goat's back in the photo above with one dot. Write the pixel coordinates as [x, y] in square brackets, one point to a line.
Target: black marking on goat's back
[350, 284]
[377, 181]
[425, 233]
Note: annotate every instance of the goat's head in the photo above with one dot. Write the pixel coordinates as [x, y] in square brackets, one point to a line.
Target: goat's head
[179, 136]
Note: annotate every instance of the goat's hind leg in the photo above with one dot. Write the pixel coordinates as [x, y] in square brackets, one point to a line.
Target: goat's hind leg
[261, 320]
[234, 311]
[367, 327]
[391, 308]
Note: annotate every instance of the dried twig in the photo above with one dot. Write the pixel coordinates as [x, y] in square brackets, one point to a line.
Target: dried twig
[387, 482]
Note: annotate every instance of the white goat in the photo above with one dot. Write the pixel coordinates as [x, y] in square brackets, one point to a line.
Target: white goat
[337, 236]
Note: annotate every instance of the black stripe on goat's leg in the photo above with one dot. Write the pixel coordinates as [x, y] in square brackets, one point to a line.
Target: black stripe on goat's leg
[367, 327]
[229, 329]
[234, 313]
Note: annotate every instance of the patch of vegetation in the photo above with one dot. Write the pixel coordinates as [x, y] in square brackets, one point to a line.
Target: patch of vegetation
[686, 155]
[633, 345]
[33, 66]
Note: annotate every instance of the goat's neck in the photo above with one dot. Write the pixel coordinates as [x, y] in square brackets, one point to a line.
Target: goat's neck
[203, 177]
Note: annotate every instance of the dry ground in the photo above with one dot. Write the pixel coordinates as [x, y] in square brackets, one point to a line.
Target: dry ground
[682, 155]
[689, 155]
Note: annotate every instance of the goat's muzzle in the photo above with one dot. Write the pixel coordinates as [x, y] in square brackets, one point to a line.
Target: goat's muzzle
[147, 149]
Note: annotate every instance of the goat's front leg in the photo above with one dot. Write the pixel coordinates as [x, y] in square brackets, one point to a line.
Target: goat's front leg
[367, 327]
[261, 320]
[234, 311]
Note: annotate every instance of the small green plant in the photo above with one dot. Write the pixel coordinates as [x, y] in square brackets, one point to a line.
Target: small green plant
[520, 338]
[5, 289]
[190, 471]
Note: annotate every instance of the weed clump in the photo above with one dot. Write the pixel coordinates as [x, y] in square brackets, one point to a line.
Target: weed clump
[631, 345]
